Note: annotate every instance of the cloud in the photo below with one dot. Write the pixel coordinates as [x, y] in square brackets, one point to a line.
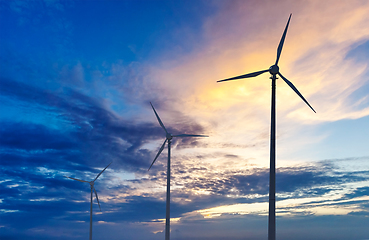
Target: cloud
[321, 184]
[190, 193]
[242, 38]
[38, 137]
[87, 128]
[87, 135]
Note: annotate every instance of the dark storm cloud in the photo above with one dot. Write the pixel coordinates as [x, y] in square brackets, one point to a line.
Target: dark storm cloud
[233, 187]
[33, 137]
[147, 209]
[293, 182]
[300, 179]
[35, 156]
[137, 209]
[38, 203]
[28, 193]
[359, 192]
[94, 131]
[40, 212]
[89, 136]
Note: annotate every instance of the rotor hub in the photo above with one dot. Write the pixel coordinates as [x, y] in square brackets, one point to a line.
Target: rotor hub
[169, 136]
[274, 69]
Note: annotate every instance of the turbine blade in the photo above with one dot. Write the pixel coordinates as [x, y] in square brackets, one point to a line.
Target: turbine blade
[157, 116]
[157, 155]
[280, 46]
[76, 179]
[296, 91]
[189, 135]
[97, 198]
[248, 75]
[102, 172]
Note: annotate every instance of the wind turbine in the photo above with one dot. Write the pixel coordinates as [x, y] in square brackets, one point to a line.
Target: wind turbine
[92, 189]
[168, 139]
[273, 70]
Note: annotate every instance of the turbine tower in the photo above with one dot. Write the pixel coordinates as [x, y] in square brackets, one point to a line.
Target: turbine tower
[92, 189]
[274, 71]
[168, 139]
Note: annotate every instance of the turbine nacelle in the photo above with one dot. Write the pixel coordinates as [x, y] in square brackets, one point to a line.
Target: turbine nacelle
[169, 136]
[274, 70]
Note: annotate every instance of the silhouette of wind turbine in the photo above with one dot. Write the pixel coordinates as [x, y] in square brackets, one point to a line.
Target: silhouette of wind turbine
[273, 70]
[168, 139]
[92, 189]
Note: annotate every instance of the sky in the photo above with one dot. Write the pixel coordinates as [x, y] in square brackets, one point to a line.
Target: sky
[76, 82]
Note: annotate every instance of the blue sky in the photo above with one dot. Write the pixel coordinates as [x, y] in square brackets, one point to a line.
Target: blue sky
[76, 79]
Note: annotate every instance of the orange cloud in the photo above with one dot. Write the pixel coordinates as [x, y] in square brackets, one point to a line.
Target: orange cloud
[243, 37]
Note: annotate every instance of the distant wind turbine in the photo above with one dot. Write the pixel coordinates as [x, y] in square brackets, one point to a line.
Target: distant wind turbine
[92, 189]
[273, 70]
[169, 139]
